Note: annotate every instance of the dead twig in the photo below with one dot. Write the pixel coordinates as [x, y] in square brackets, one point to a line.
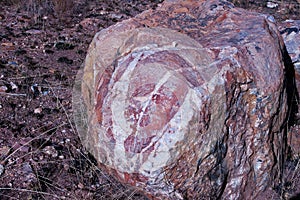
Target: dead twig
[13, 94]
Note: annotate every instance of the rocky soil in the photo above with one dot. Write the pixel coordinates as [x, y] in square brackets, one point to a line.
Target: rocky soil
[42, 46]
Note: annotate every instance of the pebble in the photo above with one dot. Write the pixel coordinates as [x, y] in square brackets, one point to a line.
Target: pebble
[271, 19]
[50, 150]
[1, 169]
[3, 88]
[80, 186]
[272, 4]
[4, 150]
[38, 110]
[12, 64]
[34, 32]
[13, 86]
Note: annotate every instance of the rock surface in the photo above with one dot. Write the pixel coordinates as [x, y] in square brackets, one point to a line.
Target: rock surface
[289, 30]
[291, 36]
[189, 101]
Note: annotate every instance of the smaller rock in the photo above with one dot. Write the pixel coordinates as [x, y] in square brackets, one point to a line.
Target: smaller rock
[4, 151]
[27, 175]
[103, 12]
[8, 46]
[38, 111]
[116, 16]
[48, 51]
[13, 86]
[34, 32]
[37, 90]
[13, 64]
[272, 4]
[3, 88]
[41, 157]
[1, 169]
[290, 32]
[50, 150]
[26, 168]
[80, 186]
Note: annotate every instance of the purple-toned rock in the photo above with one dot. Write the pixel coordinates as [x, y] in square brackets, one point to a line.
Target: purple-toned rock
[187, 101]
[290, 31]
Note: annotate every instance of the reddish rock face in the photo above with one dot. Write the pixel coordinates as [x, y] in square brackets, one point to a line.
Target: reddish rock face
[187, 101]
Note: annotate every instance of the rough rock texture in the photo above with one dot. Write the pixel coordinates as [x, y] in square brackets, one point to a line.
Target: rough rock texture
[291, 36]
[289, 30]
[189, 101]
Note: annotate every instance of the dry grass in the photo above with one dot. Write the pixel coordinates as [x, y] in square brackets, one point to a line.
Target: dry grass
[42, 7]
[62, 6]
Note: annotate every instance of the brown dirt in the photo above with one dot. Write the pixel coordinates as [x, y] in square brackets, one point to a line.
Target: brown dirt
[42, 45]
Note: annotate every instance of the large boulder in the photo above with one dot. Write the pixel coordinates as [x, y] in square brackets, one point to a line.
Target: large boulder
[188, 101]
